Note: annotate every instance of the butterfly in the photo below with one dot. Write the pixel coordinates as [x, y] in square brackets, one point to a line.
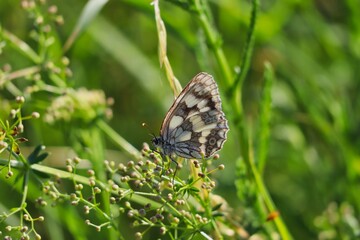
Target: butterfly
[195, 125]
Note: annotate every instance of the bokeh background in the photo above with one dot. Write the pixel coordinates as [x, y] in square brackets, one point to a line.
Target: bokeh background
[313, 164]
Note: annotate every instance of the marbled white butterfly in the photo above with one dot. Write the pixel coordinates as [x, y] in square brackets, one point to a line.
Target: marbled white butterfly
[195, 126]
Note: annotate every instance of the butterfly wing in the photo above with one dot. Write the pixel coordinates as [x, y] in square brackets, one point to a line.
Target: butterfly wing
[195, 126]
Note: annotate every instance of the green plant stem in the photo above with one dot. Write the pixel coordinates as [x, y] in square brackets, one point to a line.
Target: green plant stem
[265, 115]
[25, 187]
[21, 73]
[284, 233]
[21, 46]
[248, 49]
[214, 41]
[235, 97]
[97, 159]
[120, 141]
[164, 60]
[85, 180]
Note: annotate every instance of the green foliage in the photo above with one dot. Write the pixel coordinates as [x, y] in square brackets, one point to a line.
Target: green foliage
[80, 79]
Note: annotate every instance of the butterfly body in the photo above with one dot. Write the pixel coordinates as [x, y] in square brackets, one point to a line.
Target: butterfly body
[195, 126]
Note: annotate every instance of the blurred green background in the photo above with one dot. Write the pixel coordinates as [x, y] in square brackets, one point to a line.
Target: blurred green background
[313, 165]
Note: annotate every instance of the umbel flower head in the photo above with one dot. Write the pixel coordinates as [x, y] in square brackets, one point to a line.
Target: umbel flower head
[81, 105]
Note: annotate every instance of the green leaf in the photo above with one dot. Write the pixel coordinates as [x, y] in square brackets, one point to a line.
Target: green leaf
[216, 207]
[20, 45]
[41, 174]
[34, 157]
[90, 11]
[194, 189]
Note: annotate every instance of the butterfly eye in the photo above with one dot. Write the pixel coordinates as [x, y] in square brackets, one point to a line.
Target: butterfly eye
[156, 141]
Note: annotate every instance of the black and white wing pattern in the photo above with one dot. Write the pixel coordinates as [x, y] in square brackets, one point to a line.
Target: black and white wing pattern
[195, 125]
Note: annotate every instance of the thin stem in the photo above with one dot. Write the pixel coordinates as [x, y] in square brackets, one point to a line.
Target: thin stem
[265, 115]
[25, 187]
[214, 41]
[164, 60]
[120, 141]
[22, 46]
[284, 233]
[248, 49]
[21, 73]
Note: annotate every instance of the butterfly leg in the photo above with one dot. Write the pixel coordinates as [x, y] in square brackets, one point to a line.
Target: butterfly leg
[176, 168]
[167, 170]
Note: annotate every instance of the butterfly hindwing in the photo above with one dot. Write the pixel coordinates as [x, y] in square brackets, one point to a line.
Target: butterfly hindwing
[195, 126]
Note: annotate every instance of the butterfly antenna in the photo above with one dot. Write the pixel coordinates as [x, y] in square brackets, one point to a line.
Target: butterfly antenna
[151, 133]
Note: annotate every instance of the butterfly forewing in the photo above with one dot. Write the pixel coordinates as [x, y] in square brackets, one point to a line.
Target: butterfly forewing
[195, 126]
